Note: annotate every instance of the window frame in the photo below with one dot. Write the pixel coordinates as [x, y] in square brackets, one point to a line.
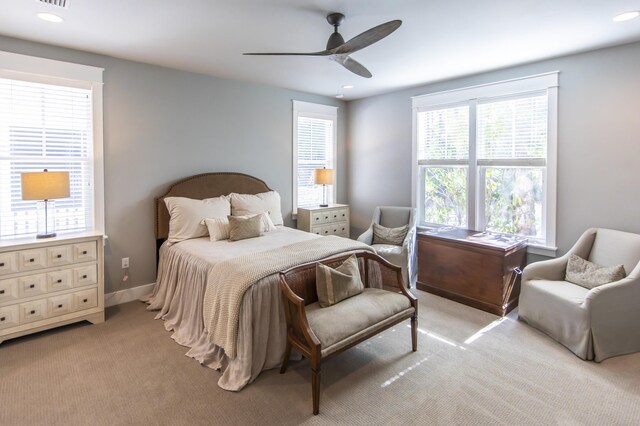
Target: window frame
[547, 82]
[319, 111]
[48, 71]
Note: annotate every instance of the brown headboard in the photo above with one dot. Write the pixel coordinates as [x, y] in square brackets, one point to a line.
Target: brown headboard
[206, 185]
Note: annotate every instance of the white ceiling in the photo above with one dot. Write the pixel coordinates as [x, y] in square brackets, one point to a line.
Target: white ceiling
[439, 39]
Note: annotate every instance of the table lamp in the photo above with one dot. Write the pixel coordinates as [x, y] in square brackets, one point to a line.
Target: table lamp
[45, 186]
[323, 177]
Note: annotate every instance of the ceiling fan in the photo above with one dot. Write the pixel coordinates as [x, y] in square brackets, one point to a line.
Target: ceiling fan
[337, 50]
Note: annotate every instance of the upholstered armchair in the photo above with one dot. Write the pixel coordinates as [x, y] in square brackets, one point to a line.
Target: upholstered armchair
[596, 323]
[403, 255]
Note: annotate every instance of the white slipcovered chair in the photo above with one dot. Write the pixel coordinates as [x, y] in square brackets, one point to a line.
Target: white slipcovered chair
[404, 255]
[594, 324]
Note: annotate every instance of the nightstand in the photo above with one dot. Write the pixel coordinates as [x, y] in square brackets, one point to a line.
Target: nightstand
[332, 220]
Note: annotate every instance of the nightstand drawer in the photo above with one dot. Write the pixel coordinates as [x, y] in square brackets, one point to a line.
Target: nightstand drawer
[33, 311]
[28, 260]
[59, 255]
[9, 316]
[84, 252]
[59, 280]
[85, 299]
[85, 275]
[9, 290]
[8, 263]
[32, 285]
[59, 305]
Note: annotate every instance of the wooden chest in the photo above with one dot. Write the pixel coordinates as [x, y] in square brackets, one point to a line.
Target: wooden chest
[478, 269]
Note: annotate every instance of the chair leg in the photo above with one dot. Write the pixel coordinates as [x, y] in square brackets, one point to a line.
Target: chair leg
[287, 354]
[414, 333]
[315, 389]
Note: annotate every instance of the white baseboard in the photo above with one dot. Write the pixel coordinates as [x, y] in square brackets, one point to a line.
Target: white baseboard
[124, 296]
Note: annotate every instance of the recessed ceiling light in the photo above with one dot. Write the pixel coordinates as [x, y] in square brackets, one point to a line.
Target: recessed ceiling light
[627, 16]
[348, 86]
[340, 96]
[49, 17]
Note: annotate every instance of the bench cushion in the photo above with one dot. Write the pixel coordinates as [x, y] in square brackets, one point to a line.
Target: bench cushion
[341, 324]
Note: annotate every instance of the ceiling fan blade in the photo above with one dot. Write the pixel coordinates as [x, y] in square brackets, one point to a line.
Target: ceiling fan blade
[355, 67]
[323, 53]
[368, 37]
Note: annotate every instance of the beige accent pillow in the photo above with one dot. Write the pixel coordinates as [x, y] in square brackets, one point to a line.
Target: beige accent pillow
[219, 227]
[187, 214]
[393, 236]
[248, 204]
[589, 275]
[241, 228]
[334, 285]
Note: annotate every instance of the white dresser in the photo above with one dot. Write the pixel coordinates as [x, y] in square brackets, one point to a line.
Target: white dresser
[332, 220]
[50, 282]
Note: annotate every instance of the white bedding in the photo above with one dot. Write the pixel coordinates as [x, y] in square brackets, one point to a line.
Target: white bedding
[179, 293]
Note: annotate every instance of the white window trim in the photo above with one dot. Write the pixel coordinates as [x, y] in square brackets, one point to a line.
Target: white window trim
[49, 71]
[471, 95]
[313, 110]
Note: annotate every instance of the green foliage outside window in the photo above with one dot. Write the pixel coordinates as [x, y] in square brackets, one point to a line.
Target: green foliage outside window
[445, 195]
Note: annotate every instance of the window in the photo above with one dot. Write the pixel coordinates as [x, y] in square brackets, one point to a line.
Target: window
[485, 158]
[314, 147]
[50, 122]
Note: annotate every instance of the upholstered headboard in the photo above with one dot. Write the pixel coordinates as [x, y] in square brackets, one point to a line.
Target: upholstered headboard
[206, 185]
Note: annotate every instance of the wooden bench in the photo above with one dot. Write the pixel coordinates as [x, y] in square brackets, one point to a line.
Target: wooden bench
[319, 333]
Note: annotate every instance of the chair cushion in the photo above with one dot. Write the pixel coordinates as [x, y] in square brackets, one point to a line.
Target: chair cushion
[390, 253]
[335, 285]
[345, 322]
[384, 235]
[589, 275]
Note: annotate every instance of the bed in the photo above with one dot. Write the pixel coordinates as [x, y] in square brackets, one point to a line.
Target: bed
[186, 270]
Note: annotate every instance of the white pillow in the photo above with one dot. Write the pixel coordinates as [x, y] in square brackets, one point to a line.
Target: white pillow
[247, 204]
[186, 215]
[219, 227]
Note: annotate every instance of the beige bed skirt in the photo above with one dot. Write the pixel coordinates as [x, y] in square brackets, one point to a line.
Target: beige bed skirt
[178, 296]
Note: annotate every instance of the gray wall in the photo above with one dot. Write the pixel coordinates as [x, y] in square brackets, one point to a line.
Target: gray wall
[161, 125]
[598, 142]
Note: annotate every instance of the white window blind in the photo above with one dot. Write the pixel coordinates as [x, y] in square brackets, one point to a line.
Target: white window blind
[45, 126]
[443, 134]
[315, 151]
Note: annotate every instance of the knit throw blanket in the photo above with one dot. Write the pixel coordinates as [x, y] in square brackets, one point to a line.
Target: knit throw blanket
[229, 280]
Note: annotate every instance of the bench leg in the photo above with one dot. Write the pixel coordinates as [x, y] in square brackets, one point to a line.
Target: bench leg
[414, 333]
[315, 389]
[285, 361]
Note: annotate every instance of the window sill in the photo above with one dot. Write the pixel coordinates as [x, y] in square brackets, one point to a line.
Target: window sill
[542, 250]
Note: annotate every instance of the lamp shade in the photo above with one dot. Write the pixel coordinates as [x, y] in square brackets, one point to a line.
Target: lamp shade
[45, 185]
[323, 176]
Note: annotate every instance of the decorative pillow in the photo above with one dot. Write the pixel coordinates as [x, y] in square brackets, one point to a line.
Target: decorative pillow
[393, 236]
[589, 275]
[248, 204]
[187, 214]
[219, 227]
[334, 285]
[241, 228]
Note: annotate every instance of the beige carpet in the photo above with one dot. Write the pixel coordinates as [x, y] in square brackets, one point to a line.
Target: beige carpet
[129, 371]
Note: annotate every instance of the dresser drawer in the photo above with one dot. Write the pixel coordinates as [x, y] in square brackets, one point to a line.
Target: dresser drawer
[84, 252]
[33, 311]
[59, 280]
[9, 316]
[59, 305]
[9, 290]
[32, 285]
[341, 215]
[28, 260]
[317, 218]
[85, 275]
[85, 299]
[8, 263]
[338, 228]
[59, 255]
[316, 230]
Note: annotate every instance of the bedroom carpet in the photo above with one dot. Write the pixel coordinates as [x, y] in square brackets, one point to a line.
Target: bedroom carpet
[471, 368]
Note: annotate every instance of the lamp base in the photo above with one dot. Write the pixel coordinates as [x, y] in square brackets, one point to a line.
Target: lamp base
[324, 205]
[49, 235]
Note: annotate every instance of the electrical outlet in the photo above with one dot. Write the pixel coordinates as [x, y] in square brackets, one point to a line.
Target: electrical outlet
[125, 262]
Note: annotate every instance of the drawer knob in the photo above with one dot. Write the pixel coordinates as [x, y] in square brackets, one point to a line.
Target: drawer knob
[85, 300]
[59, 256]
[59, 306]
[2, 318]
[84, 252]
[33, 311]
[317, 218]
[1, 264]
[2, 291]
[84, 277]
[59, 281]
[32, 286]
[32, 260]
